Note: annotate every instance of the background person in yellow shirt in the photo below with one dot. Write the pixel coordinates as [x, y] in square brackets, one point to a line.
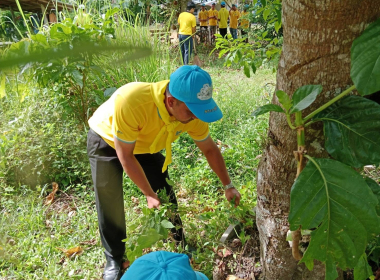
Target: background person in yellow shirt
[203, 20]
[244, 23]
[212, 21]
[187, 28]
[223, 18]
[129, 130]
[234, 17]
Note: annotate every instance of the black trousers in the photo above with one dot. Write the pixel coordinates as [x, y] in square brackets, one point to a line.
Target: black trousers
[223, 32]
[107, 175]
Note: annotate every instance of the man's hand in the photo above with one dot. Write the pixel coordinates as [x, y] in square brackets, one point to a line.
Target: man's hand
[153, 201]
[231, 194]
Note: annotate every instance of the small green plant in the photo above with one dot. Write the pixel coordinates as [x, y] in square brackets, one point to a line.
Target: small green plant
[152, 226]
[237, 52]
[329, 197]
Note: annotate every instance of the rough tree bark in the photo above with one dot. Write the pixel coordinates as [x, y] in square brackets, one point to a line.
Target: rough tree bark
[317, 38]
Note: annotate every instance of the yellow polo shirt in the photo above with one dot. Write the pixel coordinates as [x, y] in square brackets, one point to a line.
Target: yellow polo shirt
[244, 21]
[203, 15]
[223, 16]
[234, 16]
[136, 113]
[212, 21]
[186, 23]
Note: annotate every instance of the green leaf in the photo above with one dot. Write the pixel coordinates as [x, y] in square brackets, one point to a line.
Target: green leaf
[279, 17]
[362, 269]
[149, 238]
[111, 12]
[365, 60]
[277, 26]
[77, 77]
[304, 96]
[253, 67]
[247, 71]
[352, 130]
[333, 198]
[2, 86]
[375, 187]
[267, 108]
[265, 34]
[284, 99]
[166, 224]
[170, 182]
[266, 14]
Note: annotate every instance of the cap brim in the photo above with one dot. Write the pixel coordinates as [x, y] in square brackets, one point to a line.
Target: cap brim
[207, 112]
[201, 276]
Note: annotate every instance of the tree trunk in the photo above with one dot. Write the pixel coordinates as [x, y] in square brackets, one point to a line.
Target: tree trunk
[317, 39]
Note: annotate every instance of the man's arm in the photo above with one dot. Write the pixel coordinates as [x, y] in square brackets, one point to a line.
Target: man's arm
[134, 171]
[216, 162]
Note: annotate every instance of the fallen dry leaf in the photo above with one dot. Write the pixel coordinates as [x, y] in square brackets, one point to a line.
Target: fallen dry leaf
[135, 200]
[207, 209]
[222, 252]
[61, 261]
[91, 242]
[70, 253]
[236, 243]
[50, 198]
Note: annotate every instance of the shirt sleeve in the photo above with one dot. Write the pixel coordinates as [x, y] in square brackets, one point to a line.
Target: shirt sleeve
[199, 131]
[194, 22]
[125, 124]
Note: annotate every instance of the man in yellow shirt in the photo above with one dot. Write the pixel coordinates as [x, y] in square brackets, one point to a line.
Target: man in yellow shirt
[244, 23]
[203, 19]
[234, 16]
[187, 27]
[223, 18]
[212, 21]
[129, 130]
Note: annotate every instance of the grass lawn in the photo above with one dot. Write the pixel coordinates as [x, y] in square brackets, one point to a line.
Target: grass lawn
[33, 237]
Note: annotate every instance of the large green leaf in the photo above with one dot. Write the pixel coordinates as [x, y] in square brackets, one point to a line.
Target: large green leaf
[333, 198]
[375, 187]
[365, 60]
[352, 131]
[284, 99]
[267, 108]
[304, 96]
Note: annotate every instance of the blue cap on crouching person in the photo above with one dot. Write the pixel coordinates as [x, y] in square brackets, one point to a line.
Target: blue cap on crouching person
[223, 3]
[162, 265]
[203, 5]
[193, 86]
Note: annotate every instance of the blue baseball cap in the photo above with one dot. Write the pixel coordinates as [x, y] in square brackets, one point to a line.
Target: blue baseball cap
[223, 3]
[162, 265]
[246, 6]
[203, 4]
[193, 86]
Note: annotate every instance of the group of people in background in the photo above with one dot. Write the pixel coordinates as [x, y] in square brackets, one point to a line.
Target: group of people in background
[209, 21]
[212, 18]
